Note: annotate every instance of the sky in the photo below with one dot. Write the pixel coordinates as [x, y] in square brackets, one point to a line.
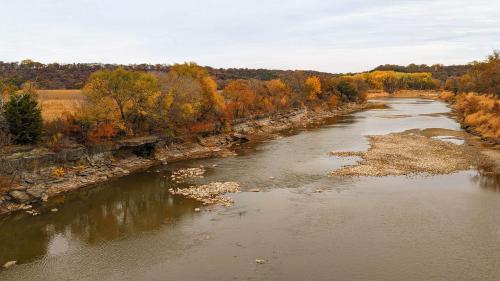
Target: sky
[332, 36]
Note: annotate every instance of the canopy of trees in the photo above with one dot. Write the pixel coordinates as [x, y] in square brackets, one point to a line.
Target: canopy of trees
[391, 81]
[482, 77]
[74, 76]
[438, 71]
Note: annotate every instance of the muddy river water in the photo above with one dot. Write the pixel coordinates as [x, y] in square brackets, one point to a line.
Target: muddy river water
[422, 227]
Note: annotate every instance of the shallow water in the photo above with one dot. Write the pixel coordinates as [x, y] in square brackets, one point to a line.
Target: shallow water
[391, 228]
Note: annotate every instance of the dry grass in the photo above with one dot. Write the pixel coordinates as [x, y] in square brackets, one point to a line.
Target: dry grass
[447, 96]
[426, 94]
[481, 112]
[54, 103]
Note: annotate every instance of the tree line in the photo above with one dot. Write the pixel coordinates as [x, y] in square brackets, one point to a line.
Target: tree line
[186, 100]
[482, 77]
[391, 81]
[74, 76]
[438, 71]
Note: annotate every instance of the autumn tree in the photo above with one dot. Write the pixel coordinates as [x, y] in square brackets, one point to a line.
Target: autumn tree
[189, 97]
[130, 93]
[277, 95]
[485, 75]
[240, 98]
[313, 88]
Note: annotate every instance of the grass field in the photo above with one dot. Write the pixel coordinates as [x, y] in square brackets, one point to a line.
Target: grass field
[56, 102]
[431, 94]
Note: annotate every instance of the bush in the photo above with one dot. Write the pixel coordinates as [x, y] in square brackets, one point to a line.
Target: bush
[24, 118]
[348, 90]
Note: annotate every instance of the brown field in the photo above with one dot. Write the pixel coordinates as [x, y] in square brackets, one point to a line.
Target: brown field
[426, 94]
[54, 103]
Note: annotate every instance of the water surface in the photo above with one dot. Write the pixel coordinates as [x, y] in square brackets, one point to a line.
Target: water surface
[391, 228]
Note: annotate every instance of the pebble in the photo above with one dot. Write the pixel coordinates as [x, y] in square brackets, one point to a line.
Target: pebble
[260, 261]
[189, 173]
[54, 210]
[9, 264]
[197, 209]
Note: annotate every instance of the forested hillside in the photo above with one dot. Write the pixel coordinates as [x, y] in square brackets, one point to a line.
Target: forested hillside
[74, 76]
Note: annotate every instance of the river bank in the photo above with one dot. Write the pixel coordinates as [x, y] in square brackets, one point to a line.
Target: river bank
[34, 187]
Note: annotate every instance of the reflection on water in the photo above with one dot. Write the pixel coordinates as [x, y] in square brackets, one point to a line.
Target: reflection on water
[131, 205]
[488, 182]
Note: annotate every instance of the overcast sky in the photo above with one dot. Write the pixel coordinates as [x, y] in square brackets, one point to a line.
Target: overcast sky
[333, 36]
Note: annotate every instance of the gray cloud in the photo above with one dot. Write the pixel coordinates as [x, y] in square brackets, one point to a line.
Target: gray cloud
[335, 36]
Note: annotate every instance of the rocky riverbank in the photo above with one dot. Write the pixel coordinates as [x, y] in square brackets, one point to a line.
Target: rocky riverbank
[30, 186]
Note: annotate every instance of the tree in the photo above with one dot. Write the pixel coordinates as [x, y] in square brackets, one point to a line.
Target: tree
[391, 84]
[240, 98]
[485, 76]
[347, 90]
[313, 88]
[189, 98]
[24, 118]
[132, 93]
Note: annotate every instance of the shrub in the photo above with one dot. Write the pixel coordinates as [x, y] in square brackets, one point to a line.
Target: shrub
[446, 96]
[333, 101]
[58, 172]
[103, 133]
[24, 118]
[347, 90]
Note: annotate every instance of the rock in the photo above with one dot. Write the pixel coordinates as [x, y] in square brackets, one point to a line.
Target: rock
[35, 192]
[254, 190]
[19, 196]
[197, 209]
[9, 264]
[260, 261]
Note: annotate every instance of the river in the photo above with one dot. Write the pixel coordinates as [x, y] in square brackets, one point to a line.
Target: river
[422, 227]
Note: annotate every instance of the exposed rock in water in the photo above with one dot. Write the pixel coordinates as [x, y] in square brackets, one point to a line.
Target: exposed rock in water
[36, 192]
[409, 153]
[209, 194]
[189, 173]
[19, 196]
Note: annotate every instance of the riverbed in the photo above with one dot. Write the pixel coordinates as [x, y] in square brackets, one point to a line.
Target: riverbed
[302, 225]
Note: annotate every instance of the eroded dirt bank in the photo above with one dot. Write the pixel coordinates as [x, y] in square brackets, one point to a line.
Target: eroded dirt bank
[31, 188]
[429, 151]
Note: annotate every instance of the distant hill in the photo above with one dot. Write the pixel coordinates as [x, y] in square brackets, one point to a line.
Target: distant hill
[74, 76]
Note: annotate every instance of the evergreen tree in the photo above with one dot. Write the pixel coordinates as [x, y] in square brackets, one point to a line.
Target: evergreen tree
[24, 118]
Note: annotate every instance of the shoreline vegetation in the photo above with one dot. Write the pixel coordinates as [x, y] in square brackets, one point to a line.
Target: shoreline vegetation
[128, 118]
